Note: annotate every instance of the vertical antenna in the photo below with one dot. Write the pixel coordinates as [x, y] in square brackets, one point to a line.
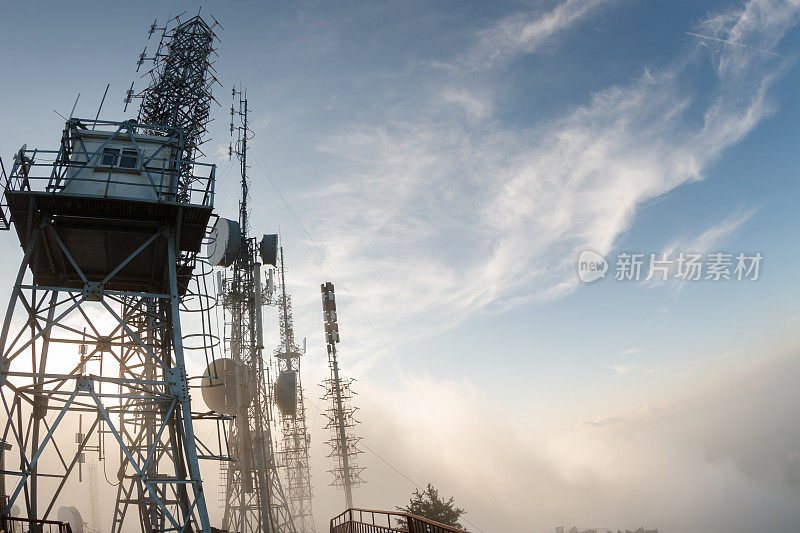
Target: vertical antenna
[285, 312]
[344, 444]
[288, 392]
[101, 105]
[240, 151]
[254, 497]
[71, 113]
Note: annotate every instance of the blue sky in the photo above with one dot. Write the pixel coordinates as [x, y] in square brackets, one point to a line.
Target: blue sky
[446, 163]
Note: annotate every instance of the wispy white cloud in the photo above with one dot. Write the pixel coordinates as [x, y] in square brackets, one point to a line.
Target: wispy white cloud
[602, 421]
[476, 106]
[755, 28]
[632, 350]
[441, 215]
[524, 33]
[710, 240]
[713, 237]
[619, 370]
[220, 153]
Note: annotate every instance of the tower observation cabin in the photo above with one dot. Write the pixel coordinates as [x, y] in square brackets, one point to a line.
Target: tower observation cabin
[112, 222]
[98, 206]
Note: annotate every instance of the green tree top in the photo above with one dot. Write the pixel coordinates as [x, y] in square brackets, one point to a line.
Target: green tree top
[428, 504]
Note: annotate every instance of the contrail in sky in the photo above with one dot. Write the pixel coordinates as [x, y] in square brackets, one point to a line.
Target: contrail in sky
[732, 43]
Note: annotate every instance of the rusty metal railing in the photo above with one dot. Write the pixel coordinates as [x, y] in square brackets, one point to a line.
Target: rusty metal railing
[372, 521]
[15, 524]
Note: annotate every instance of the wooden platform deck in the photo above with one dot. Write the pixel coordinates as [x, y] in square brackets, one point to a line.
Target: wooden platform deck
[100, 233]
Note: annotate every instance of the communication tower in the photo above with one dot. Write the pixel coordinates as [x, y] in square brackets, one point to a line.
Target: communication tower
[111, 224]
[288, 392]
[254, 497]
[340, 415]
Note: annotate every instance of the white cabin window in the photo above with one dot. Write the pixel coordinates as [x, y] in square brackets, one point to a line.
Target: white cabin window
[109, 158]
[129, 159]
[120, 158]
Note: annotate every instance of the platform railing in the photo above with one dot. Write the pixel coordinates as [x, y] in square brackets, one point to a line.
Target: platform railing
[372, 521]
[153, 175]
[14, 524]
[200, 192]
[17, 524]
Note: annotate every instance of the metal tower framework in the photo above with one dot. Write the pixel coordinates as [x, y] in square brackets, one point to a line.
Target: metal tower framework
[341, 414]
[254, 497]
[110, 238]
[295, 438]
[179, 96]
[124, 305]
[181, 82]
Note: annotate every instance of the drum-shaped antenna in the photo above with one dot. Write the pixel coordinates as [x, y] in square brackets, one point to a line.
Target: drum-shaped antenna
[225, 241]
[268, 249]
[286, 392]
[221, 382]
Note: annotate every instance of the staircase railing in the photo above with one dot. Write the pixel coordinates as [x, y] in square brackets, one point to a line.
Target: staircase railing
[372, 521]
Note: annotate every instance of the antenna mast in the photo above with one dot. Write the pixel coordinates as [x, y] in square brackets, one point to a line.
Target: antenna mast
[288, 393]
[254, 497]
[341, 419]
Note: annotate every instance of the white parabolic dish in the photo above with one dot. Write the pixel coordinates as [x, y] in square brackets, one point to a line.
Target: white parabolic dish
[225, 241]
[72, 516]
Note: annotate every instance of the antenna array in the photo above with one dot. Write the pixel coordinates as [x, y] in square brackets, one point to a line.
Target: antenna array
[254, 497]
[341, 414]
[288, 391]
[179, 94]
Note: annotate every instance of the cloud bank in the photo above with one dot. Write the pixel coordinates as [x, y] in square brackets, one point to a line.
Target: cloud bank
[722, 457]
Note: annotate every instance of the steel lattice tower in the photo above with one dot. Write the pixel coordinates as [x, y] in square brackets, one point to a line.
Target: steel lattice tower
[295, 438]
[111, 231]
[341, 413]
[254, 497]
[179, 94]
